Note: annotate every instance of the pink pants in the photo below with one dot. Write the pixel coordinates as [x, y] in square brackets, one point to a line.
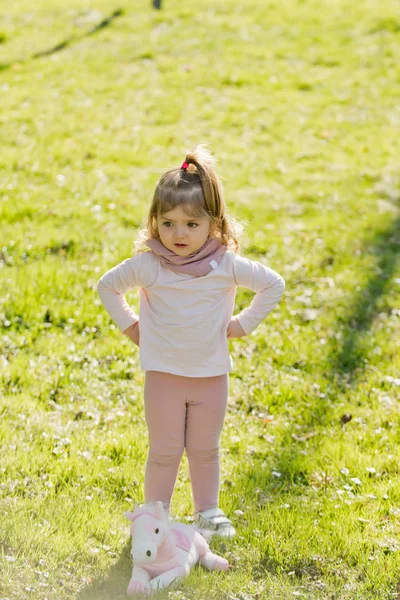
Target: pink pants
[184, 412]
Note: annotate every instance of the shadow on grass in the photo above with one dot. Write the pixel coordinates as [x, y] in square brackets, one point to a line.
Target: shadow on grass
[348, 362]
[346, 365]
[114, 584]
[62, 45]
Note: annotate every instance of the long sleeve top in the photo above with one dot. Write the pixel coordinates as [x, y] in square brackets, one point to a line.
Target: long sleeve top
[184, 319]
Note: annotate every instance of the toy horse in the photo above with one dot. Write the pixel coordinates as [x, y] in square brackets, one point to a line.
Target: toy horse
[164, 551]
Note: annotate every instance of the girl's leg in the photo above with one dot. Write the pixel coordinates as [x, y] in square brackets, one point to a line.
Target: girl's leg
[207, 401]
[165, 413]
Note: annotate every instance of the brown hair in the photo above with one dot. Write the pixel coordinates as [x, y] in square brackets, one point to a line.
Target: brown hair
[199, 190]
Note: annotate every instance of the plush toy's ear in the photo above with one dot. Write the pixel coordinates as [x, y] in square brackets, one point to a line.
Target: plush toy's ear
[129, 515]
[160, 513]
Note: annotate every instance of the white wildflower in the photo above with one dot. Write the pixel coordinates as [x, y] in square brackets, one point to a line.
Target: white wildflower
[355, 480]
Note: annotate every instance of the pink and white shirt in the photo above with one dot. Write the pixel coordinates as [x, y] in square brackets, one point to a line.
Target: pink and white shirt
[184, 319]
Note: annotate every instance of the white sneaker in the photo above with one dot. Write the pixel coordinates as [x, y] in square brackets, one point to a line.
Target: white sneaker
[214, 519]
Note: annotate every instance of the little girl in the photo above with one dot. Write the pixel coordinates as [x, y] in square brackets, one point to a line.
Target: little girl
[187, 285]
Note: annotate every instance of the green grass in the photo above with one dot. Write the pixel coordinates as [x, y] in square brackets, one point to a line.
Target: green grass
[299, 101]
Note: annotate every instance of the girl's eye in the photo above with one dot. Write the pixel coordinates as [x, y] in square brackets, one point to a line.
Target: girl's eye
[168, 223]
[157, 530]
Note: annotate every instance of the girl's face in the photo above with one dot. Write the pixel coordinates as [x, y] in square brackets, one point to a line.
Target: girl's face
[181, 233]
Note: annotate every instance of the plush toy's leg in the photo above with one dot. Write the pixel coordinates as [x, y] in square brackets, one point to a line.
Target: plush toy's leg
[164, 580]
[214, 562]
[138, 581]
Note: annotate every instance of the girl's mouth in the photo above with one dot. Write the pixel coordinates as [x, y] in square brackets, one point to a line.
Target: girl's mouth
[181, 245]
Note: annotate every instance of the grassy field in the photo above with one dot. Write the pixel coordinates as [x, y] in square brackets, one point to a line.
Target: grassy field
[300, 102]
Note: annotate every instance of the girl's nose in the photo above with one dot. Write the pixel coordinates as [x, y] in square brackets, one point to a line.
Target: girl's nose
[180, 233]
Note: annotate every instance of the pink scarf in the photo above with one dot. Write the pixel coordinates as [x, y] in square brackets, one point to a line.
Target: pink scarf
[201, 262]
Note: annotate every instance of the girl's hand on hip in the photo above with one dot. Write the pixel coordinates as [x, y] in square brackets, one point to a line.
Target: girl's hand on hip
[133, 333]
[235, 330]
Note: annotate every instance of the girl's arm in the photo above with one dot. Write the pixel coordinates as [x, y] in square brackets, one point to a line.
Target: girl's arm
[137, 271]
[133, 333]
[265, 282]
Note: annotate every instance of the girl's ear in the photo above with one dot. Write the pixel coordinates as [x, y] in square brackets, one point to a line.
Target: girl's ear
[129, 515]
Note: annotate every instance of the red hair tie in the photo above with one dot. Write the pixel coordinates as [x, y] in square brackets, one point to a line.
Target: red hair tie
[184, 165]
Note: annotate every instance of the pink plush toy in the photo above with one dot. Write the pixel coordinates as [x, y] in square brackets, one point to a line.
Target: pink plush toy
[164, 551]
